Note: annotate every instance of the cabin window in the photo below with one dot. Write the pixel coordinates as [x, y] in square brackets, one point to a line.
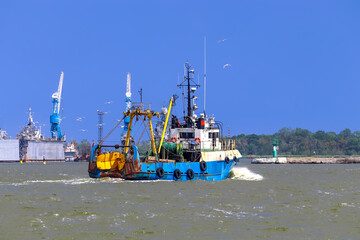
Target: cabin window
[187, 135]
[213, 134]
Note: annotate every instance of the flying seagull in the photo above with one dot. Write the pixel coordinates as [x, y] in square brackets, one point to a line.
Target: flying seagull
[79, 119]
[226, 65]
[109, 102]
[84, 130]
[223, 40]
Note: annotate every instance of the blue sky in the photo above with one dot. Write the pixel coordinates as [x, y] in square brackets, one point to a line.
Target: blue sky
[293, 63]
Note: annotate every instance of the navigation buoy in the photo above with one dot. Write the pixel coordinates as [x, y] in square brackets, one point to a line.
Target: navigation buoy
[275, 146]
[21, 162]
[44, 162]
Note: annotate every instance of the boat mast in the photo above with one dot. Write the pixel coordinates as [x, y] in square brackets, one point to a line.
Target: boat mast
[189, 110]
[205, 76]
[188, 83]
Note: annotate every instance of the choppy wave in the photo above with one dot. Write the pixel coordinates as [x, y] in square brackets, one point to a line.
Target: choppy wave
[65, 181]
[76, 181]
[245, 174]
[237, 174]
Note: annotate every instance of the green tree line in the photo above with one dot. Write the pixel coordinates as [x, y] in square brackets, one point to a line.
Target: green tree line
[301, 142]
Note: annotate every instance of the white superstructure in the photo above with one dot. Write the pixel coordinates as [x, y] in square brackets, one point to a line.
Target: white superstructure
[200, 136]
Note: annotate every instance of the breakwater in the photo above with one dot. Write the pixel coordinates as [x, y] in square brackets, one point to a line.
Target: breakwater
[306, 160]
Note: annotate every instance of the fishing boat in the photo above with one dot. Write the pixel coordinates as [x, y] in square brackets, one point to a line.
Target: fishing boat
[191, 148]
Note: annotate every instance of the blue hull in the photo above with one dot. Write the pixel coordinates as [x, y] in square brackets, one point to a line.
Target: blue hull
[216, 171]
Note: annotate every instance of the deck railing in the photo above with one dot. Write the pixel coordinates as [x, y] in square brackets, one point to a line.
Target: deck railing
[228, 144]
[143, 106]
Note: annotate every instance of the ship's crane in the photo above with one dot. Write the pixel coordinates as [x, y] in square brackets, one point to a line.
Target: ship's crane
[128, 92]
[55, 118]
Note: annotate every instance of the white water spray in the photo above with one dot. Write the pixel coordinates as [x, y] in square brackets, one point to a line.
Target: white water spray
[245, 174]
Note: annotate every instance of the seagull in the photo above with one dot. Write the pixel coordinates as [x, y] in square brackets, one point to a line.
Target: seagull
[79, 119]
[226, 65]
[100, 112]
[223, 40]
[109, 102]
[84, 130]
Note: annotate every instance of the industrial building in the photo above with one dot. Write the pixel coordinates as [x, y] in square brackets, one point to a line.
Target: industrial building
[9, 148]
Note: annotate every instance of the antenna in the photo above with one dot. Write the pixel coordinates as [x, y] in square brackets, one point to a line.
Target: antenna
[100, 125]
[204, 75]
[190, 87]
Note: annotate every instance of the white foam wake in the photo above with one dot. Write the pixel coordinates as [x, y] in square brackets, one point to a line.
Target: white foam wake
[245, 174]
[76, 181]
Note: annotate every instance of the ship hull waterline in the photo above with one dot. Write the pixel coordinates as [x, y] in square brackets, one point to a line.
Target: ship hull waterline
[148, 171]
[215, 171]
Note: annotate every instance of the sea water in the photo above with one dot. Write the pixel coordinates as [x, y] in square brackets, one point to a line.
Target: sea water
[60, 201]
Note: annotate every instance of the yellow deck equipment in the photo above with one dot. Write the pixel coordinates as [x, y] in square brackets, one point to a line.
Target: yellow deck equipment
[107, 161]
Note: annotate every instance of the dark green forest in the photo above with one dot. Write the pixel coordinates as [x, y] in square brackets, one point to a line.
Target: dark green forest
[301, 142]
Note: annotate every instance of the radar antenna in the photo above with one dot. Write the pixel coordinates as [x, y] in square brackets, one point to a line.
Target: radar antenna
[188, 83]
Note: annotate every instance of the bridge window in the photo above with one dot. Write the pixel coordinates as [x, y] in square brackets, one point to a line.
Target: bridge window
[187, 135]
[213, 134]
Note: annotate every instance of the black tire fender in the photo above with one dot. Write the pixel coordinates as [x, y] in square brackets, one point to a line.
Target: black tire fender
[235, 159]
[177, 174]
[190, 173]
[227, 160]
[203, 166]
[160, 172]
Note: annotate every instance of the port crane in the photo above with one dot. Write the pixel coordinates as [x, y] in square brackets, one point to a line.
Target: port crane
[128, 103]
[55, 118]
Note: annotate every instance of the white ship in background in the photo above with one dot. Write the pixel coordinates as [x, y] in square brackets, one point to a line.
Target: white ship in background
[71, 153]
